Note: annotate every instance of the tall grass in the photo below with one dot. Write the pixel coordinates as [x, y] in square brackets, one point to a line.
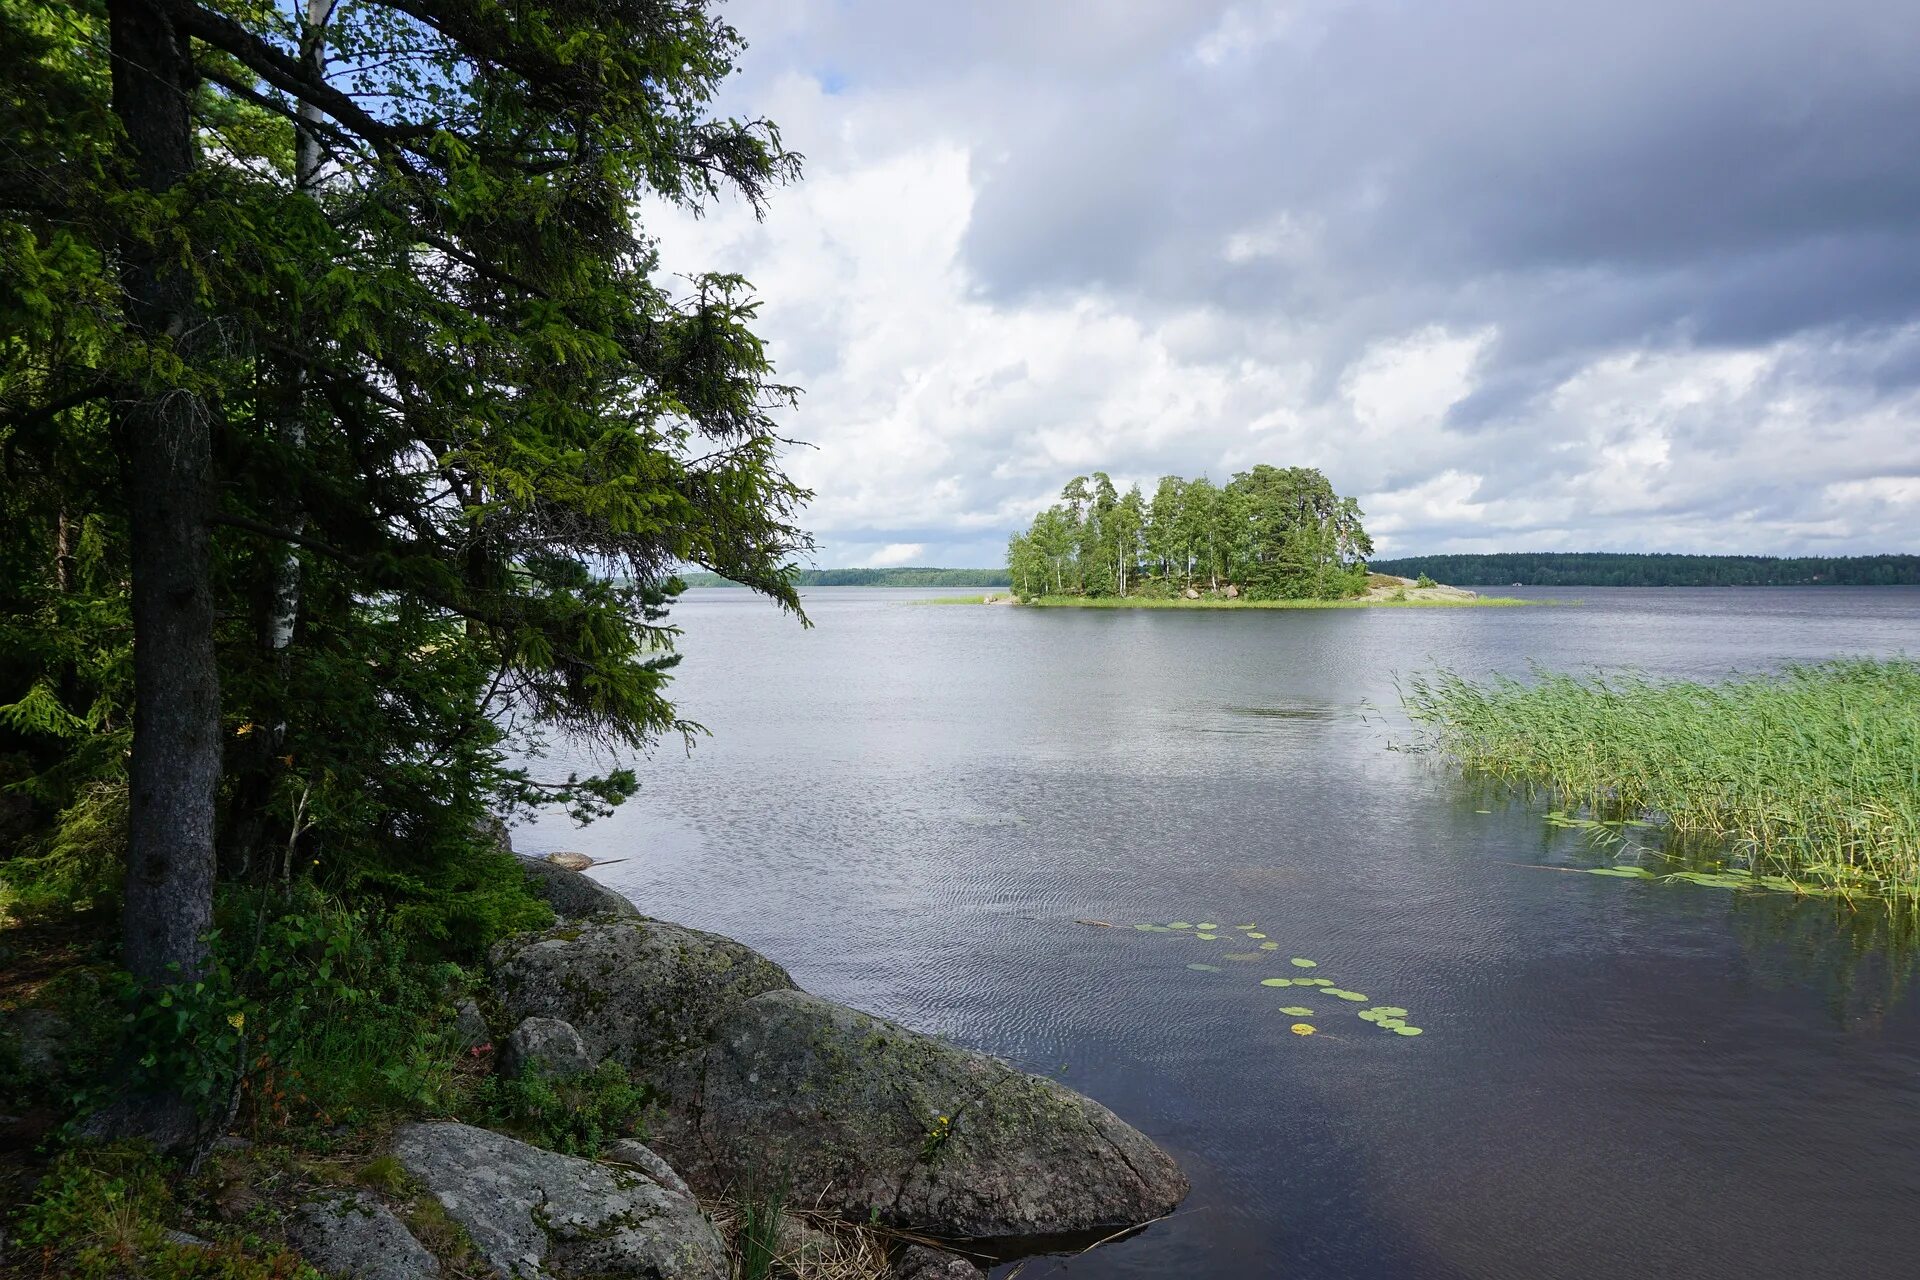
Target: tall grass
[1810, 776]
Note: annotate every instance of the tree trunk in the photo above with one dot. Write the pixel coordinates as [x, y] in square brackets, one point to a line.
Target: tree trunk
[165, 442]
[308, 159]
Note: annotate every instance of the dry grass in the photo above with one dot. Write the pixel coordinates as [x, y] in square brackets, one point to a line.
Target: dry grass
[806, 1245]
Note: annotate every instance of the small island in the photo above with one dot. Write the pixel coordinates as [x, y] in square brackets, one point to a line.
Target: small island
[1270, 538]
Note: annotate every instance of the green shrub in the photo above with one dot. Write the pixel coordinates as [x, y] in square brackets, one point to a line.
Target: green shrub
[1424, 581]
[314, 1010]
[577, 1115]
[102, 1213]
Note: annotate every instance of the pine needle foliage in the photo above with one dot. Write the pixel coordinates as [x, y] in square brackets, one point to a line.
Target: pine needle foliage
[448, 378]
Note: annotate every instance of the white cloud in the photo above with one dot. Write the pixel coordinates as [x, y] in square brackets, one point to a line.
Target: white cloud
[1245, 28]
[897, 553]
[944, 410]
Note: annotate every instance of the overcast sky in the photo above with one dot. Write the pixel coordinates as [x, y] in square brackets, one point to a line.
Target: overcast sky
[1520, 274]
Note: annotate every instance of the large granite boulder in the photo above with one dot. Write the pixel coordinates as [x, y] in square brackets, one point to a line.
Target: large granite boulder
[545, 1047]
[535, 1214]
[638, 991]
[573, 896]
[355, 1237]
[632, 1151]
[856, 1115]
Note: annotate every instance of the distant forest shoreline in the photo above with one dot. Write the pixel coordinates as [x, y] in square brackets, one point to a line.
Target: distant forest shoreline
[1617, 569]
[902, 577]
[1542, 569]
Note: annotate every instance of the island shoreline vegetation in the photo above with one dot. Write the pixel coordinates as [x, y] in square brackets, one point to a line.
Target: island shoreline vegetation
[1214, 602]
[1269, 533]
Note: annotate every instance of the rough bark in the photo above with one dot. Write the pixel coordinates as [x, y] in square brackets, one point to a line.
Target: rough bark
[165, 442]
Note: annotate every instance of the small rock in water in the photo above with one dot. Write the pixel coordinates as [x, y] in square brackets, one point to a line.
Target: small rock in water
[917, 1262]
[570, 861]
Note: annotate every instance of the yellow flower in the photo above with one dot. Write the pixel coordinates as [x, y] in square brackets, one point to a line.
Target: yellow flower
[237, 1020]
[1303, 1028]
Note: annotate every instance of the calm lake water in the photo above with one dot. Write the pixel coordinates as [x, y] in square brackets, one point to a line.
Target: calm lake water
[910, 805]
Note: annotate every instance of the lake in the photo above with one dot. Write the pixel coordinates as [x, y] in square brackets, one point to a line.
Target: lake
[910, 805]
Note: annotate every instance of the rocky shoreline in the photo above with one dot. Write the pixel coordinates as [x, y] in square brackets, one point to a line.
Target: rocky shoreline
[944, 1159]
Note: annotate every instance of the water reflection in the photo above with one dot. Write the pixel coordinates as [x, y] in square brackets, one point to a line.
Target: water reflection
[910, 807]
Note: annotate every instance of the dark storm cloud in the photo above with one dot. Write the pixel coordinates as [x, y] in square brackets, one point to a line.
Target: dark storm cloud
[1674, 245]
[1750, 169]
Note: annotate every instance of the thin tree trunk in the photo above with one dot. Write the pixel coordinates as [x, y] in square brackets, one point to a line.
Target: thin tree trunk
[62, 550]
[308, 160]
[165, 440]
[252, 777]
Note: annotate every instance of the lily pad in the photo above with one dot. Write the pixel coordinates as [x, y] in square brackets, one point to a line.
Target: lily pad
[1344, 995]
[1205, 968]
[1391, 1010]
[1313, 982]
[1204, 925]
[1713, 879]
[1276, 982]
[1296, 1011]
[1269, 946]
[1252, 934]
[1625, 873]
[1298, 963]
[1302, 1028]
[1404, 1030]
[1207, 937]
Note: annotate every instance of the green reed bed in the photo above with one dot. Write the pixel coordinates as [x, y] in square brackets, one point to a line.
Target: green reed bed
[1808, 779]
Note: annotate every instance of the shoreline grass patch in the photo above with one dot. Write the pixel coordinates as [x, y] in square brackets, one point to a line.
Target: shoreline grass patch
[1808, 779]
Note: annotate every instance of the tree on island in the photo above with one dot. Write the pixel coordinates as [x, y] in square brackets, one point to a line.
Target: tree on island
[359, 292]
[1273, 533]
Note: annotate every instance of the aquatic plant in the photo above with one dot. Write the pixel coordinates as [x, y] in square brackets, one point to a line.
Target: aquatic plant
[1805, 781]
[1386, 1017]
